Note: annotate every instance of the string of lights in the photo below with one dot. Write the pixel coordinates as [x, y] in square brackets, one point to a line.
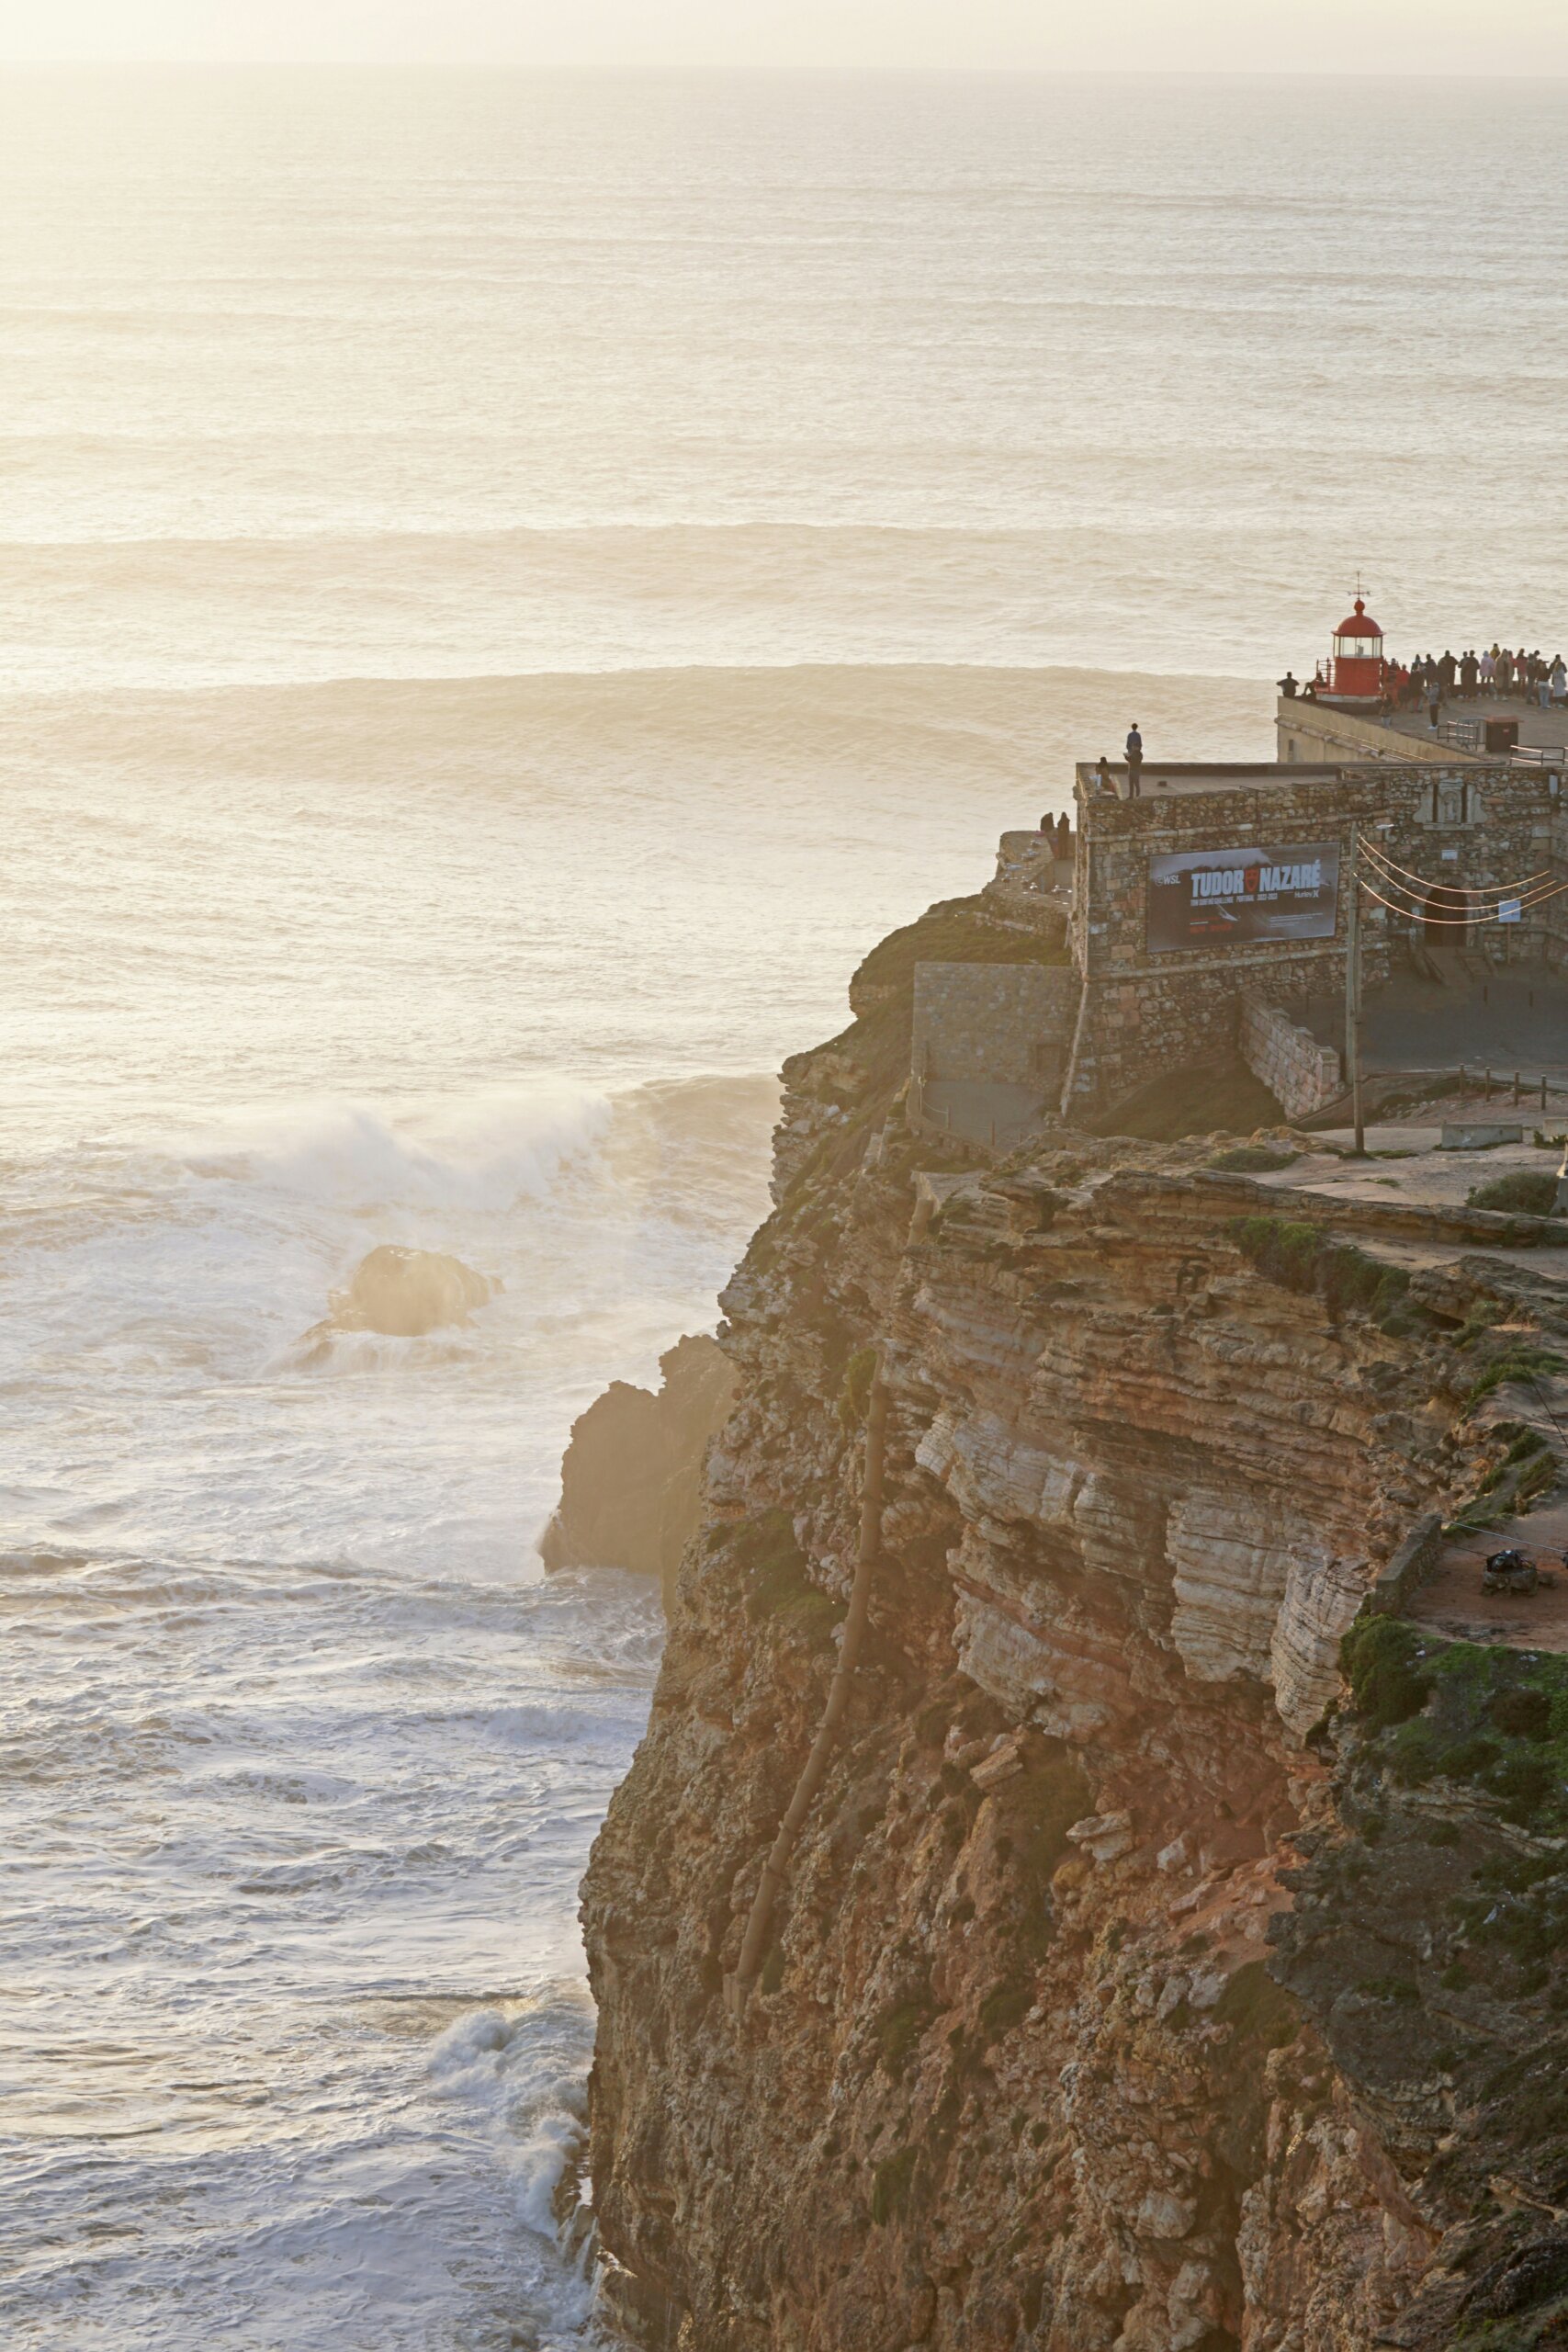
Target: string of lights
[1463, 889]
[1463, 920]
[1450, 899]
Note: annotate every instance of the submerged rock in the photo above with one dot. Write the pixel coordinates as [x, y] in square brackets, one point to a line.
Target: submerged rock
[405, 1292]
[631, 1479]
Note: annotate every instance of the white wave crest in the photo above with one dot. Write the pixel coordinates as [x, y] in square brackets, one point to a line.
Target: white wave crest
[485, 1152]
[527, 2067]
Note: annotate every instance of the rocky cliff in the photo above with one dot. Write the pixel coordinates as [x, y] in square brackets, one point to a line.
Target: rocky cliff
[1138, 1980]
[631, 1479]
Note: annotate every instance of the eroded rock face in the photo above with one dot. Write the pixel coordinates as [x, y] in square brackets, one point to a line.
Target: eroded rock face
[1042, 2055]
[631, 1481]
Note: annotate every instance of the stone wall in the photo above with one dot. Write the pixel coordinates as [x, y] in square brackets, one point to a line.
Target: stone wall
[1031, 885]
[1143, 1013]
[1299, 1072]
[999, 1024]
[1308, 731]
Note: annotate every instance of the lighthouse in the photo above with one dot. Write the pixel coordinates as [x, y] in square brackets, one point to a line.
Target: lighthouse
[1356, 672]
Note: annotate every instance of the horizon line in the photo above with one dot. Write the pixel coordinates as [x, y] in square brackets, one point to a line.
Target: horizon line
[648, 69]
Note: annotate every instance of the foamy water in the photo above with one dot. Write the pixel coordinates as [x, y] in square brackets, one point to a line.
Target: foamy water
[509, 589]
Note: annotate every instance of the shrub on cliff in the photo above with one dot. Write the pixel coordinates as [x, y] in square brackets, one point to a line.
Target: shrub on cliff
[1252, 1160]
[1459, 1711]
[900, 2027]
[1388, 1683]
[1529, 1192]
[1262, 2011]
[891, 2184]
[1040, 1807]
[1214, 1099]
[956, 931]
[1514, 1365]
[854, 1397]
[776, 1581]
[1303, 1258]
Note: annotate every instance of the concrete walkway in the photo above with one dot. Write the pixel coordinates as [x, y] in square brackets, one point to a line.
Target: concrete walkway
[983, 1111]
[1515, 1019]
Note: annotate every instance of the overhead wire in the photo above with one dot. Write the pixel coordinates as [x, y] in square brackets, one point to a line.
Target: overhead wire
[1525, 895]
[1460, 921]
[1471, 914]
[1470, 890]
[1420, 886]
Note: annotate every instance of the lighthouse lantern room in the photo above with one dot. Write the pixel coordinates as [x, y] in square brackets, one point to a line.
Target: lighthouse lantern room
[1356, 672]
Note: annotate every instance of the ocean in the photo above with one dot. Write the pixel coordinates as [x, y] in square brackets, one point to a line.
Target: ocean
[510, 586]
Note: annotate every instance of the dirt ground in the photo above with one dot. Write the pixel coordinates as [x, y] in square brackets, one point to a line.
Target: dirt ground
[1451, 1602]
[1404, 1163]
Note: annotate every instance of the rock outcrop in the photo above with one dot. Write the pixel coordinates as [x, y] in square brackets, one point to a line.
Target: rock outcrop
[404, 1292]
[631, 1479]
[1118, 2001]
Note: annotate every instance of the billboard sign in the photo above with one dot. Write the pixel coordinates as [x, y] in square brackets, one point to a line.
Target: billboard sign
[1238, 898]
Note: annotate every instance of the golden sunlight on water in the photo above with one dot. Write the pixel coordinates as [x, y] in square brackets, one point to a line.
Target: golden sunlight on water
[509, 590]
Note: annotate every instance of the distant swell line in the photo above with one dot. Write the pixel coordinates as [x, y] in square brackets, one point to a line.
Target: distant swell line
[379, 538]
[497, 683]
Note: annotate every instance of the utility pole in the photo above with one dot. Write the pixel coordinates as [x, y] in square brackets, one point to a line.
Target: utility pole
[1353, 991]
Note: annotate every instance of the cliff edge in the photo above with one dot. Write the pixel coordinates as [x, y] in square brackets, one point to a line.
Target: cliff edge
[1170, 1960]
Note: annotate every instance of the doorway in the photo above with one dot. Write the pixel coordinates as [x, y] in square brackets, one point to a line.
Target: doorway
[1443, 917]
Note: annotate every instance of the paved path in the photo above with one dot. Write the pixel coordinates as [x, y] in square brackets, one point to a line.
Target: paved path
[983, 1111]
[1514, 1020]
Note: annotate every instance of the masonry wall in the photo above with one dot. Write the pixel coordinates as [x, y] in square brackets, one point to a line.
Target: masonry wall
[1485, 826]
[1001, 1023]
[1308, 731]
[1031, 886]
[1302, 1074]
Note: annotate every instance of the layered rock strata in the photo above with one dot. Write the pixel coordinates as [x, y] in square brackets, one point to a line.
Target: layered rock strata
[1064, 2037]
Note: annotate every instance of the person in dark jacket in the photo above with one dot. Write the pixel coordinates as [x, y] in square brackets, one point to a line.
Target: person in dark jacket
[1134, 761]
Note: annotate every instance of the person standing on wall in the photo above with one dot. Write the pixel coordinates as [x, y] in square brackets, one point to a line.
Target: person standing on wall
[1134, 763]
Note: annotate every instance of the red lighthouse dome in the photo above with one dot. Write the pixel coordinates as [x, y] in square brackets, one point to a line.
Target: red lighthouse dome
[1356, 672]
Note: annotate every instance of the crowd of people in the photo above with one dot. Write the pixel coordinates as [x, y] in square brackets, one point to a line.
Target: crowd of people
[1502, 674]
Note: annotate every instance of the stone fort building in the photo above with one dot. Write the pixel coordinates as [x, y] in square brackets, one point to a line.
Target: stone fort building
[1209, 914]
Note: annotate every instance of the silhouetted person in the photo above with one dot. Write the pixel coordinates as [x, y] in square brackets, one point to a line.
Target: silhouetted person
[1289, 687]
[1134, 761]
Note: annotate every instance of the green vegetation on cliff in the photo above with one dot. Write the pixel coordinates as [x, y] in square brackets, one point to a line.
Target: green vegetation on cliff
[1495, 1718]
[956, 931]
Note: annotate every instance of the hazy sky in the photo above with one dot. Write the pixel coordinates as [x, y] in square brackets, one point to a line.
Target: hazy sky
[1527, 37]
